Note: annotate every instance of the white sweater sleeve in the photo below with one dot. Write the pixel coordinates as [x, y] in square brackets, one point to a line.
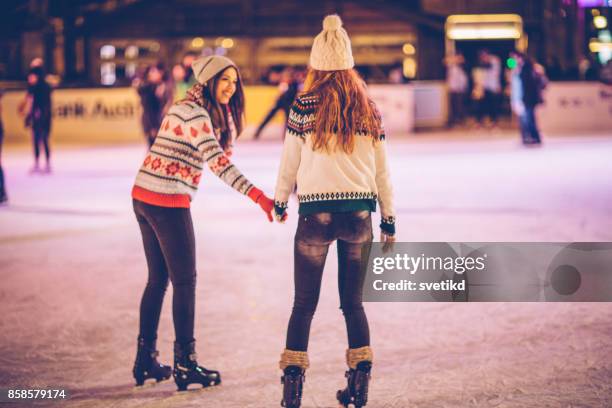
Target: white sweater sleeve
[287, 173]
[385, 190]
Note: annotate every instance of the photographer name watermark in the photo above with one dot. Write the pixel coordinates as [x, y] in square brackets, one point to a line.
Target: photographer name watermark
[489, 272]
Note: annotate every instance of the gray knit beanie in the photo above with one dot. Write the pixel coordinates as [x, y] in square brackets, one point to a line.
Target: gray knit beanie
[205, 68]
[331, 50]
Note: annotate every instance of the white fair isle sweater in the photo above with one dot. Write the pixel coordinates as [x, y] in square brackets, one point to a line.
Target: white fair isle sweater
[171, 172]
[334, 181]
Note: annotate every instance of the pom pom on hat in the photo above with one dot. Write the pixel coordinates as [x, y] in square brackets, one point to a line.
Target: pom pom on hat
[332, 22]
[331, 49]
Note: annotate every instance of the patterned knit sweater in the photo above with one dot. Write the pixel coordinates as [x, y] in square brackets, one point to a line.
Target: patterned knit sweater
[170, 173]
[334, 181]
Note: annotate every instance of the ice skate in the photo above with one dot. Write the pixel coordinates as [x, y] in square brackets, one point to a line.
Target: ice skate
[146, 365]
[355, 394]
[187, 371]
[293, 382]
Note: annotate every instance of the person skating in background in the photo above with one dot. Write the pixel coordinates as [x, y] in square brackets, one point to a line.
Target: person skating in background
[527, 83]
[193, 134]
[187, 62]
[289, 86]
[155, 98]
[335, 150]
[180, 86]
[3, 195]
[487, 77]
[37, 110]
[457, 83]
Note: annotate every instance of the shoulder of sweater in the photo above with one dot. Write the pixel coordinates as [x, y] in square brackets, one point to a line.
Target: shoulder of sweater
[188, 111]
[305, 102]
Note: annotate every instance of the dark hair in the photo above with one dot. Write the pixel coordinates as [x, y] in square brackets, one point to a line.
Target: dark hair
[160, 67]
[219, 115]
[38, 71]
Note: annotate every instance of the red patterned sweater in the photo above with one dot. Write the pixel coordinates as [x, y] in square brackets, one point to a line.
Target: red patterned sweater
[170, 174]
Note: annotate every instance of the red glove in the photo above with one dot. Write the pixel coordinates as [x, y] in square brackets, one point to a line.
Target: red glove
[266, 204]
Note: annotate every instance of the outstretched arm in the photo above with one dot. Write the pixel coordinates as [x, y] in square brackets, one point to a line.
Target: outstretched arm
[205, 141]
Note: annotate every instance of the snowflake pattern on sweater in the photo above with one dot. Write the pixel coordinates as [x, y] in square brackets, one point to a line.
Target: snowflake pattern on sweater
[171, 171]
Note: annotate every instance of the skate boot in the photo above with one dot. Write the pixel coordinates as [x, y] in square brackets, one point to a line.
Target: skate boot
[293, 381]
[293, 364]
[358, 377]
[146, 365]
[187, 371]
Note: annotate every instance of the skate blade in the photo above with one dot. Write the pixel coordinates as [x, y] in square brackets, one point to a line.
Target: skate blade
[148, 383]
[199, 387]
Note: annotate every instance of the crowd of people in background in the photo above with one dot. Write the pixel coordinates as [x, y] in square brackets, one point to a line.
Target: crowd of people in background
[478, 93]
[475, 89]
[159, 88]
[481, 91]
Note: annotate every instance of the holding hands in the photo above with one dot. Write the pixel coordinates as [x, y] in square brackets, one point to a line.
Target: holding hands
[266, 204]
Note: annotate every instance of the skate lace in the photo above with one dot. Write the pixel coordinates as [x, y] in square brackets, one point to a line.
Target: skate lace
[292, 387]
[363, 384]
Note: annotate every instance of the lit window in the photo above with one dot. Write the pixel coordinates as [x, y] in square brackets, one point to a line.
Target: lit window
[130, 69]
[107, 52]
[197, 42]
[131, 52]
[107, 73]
[408, 49]
[227, 43]
[600, 22]
[409, 67]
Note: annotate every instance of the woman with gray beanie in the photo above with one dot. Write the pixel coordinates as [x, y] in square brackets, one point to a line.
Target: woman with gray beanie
[195, 132]
[334, 150]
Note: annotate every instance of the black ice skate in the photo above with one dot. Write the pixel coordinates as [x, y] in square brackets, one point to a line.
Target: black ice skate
[146, 365]
[356, 393]
[187, 371]
[292, 381]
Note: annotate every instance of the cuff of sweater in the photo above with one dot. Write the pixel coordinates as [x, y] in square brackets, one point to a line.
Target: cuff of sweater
[387, 225]
[280, 207]
[255, 194]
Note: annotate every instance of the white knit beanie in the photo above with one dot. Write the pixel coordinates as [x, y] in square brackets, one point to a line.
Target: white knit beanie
[331, 50]
[205, 68]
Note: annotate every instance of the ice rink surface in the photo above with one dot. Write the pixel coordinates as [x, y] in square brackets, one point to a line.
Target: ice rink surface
[73, 269]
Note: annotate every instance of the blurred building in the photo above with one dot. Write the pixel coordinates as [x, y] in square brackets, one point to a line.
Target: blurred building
[105, 42]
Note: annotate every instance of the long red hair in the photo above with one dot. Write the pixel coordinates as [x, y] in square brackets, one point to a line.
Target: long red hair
[343, 110]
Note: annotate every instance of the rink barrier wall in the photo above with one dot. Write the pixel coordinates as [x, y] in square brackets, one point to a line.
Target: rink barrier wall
[112, 115]
[576, 107]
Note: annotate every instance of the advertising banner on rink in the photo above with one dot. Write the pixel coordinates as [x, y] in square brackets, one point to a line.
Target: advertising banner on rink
[81, 116]
[112, 115]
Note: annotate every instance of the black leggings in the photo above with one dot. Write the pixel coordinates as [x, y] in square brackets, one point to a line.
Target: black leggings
[488, 106]
[314, 234]
[40, 136]
[169, 244]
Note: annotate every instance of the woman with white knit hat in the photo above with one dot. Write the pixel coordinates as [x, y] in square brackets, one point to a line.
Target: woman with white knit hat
[196, 132]
[335, 151]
